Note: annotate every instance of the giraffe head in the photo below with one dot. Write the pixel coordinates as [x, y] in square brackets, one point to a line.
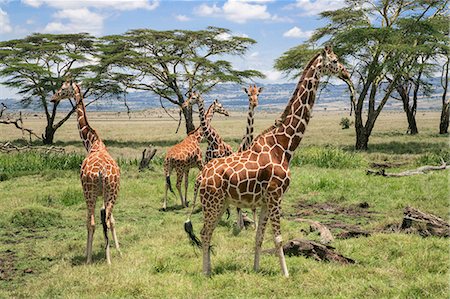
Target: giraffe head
[194, 98]
[66, 91]
[253, 93]
[331, 64]
[218, 108]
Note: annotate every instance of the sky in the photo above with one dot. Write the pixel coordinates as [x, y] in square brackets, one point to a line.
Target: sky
[276, 26]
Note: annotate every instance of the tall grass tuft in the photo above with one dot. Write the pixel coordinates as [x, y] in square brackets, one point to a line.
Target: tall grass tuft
[35, 162]
[434, 158]
[35, 217]
[328, 157]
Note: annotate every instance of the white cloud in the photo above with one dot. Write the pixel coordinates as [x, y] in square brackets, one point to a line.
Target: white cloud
[272, 75]
[111, 4]
[205, 10]
[254, 54]
[296, 32]
[315, 7]
[30, 22]
[76, 20]
[239, 11]
[182, 18]
[5, 26]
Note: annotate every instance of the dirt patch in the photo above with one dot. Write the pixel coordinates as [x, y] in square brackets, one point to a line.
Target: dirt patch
[7, 264]
[334, 216]
[331, 208]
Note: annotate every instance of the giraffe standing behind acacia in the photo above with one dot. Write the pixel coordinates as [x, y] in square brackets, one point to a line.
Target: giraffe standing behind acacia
[217, 147]
[252, 93]
[259, 176]
[100, 174]
[186, 155]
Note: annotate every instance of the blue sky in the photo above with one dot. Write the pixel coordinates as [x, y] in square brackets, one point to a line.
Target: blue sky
[275, 25]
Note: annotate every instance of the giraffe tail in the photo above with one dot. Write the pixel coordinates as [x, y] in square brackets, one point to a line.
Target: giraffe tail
[188, 224]
[103, 219]
[169, 184]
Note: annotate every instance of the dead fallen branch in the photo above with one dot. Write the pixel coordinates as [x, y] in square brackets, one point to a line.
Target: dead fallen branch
[416, 221]
[147, 156]
[18, 123]
[420, 170]
[9, 147]
[325, 235]
[387, 164]
[311, 249]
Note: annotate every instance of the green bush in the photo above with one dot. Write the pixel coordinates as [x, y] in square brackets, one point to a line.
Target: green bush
[345, 123]
[35, 217]
[434, 158]
[327, 157]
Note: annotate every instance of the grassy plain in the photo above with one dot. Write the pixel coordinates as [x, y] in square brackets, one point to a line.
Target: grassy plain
[43, 234]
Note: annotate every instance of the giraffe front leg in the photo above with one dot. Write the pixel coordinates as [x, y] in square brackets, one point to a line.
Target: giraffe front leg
[240, 219]
[275, 216]
[211, 216]
[260, 236]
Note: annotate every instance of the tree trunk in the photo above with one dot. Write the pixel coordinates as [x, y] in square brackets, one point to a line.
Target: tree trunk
[47, 137]
[187, 112]
[445, 117]
[443, 126]
[412, 124]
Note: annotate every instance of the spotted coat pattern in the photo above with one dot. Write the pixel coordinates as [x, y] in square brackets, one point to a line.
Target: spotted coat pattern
[100, 174]
[186, 155]
[259, 176]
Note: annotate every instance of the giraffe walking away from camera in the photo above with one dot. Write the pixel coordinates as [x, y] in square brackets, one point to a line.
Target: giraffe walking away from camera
[186, 155]
[252, 93]
[259, 176]
[100, 174]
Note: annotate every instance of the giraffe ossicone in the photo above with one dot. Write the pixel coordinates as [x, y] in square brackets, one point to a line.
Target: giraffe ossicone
[100, 174]
[259, 176]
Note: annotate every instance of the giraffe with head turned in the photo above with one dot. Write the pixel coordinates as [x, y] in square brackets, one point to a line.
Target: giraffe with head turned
[100, 174]
[217, 147]
[252, 93]
[259, 176]
[186, 155]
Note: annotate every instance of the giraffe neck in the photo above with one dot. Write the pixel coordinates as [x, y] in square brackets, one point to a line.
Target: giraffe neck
[208, 117]
[87, 134]
[248, 137]
[204, 123]
[298, 113]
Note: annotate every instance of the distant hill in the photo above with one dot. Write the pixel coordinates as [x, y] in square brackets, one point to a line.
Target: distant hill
[274, 96]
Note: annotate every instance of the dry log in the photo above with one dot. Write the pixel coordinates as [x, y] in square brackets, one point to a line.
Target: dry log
[9, 147]
[325, 235]
[311, 249]
[420, 170]
[147, 156]
[424, 224]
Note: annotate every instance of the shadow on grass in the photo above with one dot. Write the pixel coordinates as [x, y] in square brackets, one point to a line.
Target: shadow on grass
[395, 147]
[172, 208]
[108, 142]
[80, 260]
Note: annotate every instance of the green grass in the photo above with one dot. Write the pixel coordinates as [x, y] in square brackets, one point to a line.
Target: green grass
[43, 219]
[43, 230]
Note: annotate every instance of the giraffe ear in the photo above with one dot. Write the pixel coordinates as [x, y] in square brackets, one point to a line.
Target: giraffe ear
[244, 89]
[260, 89]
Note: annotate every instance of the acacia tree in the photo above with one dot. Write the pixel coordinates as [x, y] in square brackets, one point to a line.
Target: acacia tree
[37, 65]
[174, 63]
[367, 35]
[424, 38]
